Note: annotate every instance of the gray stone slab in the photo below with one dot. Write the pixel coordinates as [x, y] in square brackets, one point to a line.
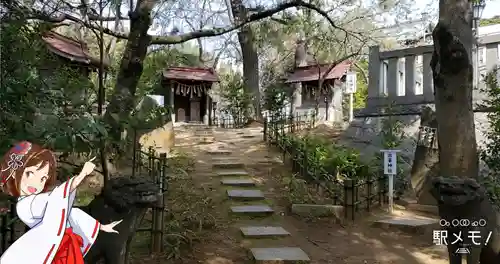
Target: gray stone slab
[409, 225]
[238, 182]
[415, 222]
[263, 231]
[227, 164]
[279, 255]
[245, 194]
[219, 152]
[232, 173]
[252, 209]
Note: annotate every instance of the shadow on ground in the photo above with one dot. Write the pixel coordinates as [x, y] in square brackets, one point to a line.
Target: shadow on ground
[323, 240]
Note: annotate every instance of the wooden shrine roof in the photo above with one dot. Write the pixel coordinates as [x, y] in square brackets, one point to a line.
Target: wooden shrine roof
[71, 49]
[191, 74]
[313, 73]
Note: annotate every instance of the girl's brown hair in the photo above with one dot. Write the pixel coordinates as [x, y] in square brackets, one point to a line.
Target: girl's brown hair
[35, 156]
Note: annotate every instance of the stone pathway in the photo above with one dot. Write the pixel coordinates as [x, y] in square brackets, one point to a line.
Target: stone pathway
[247, 200]
[242, 177]
[234, 176]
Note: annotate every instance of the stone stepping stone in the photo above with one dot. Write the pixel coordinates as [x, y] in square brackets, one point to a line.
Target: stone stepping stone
[238, 182]
[252, 209]
[279, 255]
[409, 225]
[245, 194]
[227, 164]
[263, 231]
[248, 136]
[232, 173]
[219, 152]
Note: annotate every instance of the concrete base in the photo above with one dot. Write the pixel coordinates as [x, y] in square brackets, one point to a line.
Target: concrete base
[409, 225]
[279, 255]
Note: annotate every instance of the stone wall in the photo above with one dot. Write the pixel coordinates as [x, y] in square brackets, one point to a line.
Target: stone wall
[364, 134]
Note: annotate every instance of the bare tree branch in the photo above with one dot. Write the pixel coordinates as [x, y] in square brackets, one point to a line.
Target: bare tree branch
[31, 13]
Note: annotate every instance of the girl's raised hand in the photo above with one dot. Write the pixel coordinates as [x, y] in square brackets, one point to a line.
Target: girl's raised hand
[88, 167]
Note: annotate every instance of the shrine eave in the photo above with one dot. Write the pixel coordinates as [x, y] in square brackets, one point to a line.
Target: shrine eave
[191, 74]
[314, 72]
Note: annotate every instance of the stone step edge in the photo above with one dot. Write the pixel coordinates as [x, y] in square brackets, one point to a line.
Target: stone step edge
[267, 254]
[263, 231]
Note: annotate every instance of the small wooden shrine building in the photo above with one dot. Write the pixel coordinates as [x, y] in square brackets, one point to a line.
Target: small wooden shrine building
[72, 53]
[187, 93]
[330, 93]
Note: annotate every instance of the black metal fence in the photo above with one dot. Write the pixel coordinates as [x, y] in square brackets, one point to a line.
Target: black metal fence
[144, 163]
[356, 195]
[153, 165]
[229, 122]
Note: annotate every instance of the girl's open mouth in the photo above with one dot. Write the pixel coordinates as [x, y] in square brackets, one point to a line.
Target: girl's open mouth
[32, 189]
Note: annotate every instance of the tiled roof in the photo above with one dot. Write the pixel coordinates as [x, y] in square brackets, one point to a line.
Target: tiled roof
[191, 73]
[313, 72]
[71, 49]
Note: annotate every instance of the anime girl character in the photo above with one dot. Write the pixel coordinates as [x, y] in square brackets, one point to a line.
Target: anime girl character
[59, 233]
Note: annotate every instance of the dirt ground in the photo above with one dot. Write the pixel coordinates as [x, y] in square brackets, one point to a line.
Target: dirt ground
[322, 239]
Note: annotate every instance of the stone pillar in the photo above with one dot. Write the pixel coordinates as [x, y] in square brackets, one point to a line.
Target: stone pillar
[296, 96]
[300, 60]
[336, 102]
[375, 84]
[210, 117]
[171, 101]
[207, 109]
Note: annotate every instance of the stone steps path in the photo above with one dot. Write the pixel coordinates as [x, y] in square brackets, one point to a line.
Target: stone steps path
[234, 175]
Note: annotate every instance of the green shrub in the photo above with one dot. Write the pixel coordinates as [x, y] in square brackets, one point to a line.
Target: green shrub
[490, 155]
[323, 156]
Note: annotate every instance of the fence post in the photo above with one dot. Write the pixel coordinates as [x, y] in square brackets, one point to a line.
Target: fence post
[134, 155]
[283, 123]
[369, 191]
[305, 162]
[265, 130]
[382, 190]
[151, 161]
[349, 201]
[158, 216]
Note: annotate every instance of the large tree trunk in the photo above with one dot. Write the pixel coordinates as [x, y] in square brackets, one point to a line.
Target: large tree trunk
[452, 73]
[131, 66]
[452, 68]
[250, 56]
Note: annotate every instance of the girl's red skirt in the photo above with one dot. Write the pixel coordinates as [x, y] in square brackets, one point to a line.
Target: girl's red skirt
[69, 251]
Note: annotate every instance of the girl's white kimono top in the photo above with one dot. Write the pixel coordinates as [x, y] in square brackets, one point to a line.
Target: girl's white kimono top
[48, 215]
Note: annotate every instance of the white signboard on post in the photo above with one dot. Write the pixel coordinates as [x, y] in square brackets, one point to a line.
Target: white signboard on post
[350, 88]
[350, 83]
[390, 169]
